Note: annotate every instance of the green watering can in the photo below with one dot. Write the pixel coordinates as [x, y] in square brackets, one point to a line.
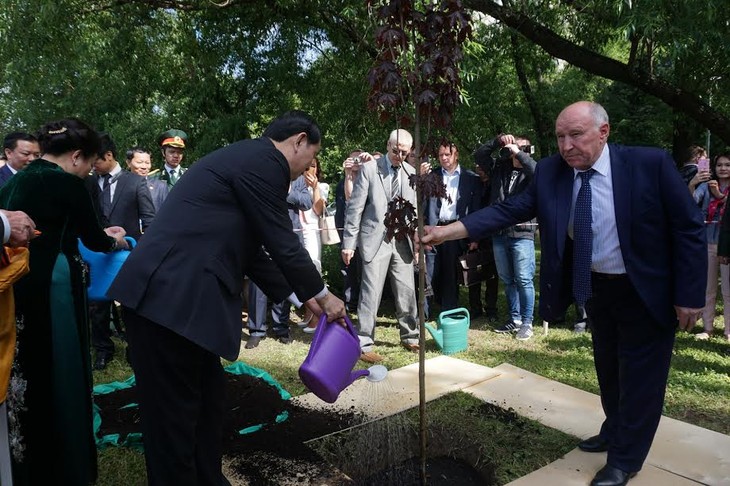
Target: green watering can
[452, 331]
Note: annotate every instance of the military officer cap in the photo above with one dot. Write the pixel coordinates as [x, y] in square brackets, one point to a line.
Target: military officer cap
[173, 138]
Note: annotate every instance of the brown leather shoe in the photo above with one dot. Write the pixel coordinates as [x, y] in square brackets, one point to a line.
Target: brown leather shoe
[371, 357]
[413, 347]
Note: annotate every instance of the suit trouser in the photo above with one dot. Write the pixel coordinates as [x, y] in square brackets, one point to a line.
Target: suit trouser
[491, 284]
[632, 353]
[101, 334]
[257, 304]
[394, 259]
[181, 402]
[445, 278]
[351, 276]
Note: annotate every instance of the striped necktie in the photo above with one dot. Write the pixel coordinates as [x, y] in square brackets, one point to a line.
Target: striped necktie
[395, 182]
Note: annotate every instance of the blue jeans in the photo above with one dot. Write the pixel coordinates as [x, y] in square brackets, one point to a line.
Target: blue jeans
[515, 260]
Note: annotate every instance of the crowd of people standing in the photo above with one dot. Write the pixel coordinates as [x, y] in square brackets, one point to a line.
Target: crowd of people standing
[242, 202]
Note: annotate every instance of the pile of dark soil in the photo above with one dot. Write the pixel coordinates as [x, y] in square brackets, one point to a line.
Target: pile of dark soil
[273, 455]
[277, 454]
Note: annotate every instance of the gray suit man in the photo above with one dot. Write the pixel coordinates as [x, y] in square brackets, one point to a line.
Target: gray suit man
[365, 229]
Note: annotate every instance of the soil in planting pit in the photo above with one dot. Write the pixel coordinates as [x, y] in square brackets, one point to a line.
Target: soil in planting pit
[276, 454]
[387, 452]
[289, 452]
[440, 471]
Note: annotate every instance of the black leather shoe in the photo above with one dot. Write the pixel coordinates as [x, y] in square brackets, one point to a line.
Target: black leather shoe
[611, 476]
[253, 341]
[594, 444]
[284, 339]
[101, 362]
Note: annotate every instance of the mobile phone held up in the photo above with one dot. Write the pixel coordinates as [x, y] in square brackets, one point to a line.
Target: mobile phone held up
[703, 165]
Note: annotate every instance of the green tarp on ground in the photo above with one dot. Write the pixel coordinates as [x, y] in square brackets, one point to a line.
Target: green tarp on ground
[134, 440]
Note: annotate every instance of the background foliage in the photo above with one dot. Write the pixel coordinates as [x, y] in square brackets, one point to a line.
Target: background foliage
[138, 67]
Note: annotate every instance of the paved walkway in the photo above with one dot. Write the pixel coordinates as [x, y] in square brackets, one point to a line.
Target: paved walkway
[682, 454]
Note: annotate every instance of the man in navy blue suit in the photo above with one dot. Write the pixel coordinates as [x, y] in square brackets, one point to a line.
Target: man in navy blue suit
[464, 190]
[20, 149]
[641, 228]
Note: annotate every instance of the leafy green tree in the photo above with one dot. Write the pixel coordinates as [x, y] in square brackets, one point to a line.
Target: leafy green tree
[672, 50]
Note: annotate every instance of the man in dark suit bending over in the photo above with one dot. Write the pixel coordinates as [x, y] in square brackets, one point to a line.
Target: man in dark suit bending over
[181, 290]
[616, 229]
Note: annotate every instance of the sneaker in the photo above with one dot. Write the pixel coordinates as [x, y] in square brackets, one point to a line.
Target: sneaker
[580, 327]
[524, 333]
[507, 328]
[703, 336]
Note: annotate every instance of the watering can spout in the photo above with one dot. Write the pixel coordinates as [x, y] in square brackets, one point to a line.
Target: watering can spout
[437, 334]
[357, 374]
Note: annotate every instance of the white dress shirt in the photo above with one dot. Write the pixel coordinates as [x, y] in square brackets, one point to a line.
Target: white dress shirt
[451, 181]
[113, 181]
[606, 257]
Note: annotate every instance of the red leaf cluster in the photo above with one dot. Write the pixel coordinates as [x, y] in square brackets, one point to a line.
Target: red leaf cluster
[417, 67]
[400, 220]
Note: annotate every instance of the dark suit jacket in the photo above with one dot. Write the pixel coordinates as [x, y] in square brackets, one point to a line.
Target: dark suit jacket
[660, 229]
[132, 203]
[159, 191]
[5, 174]
[187, 272]
[468, 199]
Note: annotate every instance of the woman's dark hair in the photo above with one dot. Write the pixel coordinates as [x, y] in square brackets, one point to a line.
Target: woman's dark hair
[318, 168]
[67, 135]
[694, 152]
[291, 123]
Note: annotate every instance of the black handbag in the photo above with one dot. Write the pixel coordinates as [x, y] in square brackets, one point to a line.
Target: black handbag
[473, 267]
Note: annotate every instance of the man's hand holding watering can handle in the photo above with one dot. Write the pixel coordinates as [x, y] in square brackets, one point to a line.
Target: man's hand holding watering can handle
[330, 305]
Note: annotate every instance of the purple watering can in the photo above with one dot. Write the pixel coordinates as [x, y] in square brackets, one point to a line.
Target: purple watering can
[327, 370]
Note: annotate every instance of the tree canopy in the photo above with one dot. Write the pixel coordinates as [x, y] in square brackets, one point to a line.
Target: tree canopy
[222, 70]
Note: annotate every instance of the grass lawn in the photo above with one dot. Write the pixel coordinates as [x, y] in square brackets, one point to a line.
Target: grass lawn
[698, 390]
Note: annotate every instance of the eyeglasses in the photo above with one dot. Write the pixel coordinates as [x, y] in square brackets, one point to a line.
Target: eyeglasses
[401, 153]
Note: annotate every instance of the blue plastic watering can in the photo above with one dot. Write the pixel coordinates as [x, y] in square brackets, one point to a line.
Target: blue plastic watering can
[103, 269]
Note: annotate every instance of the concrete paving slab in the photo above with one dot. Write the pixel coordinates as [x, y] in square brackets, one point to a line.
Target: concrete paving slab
[399, 391]
[577, 468]
[554, 404]
[691, 451]
[684, 450]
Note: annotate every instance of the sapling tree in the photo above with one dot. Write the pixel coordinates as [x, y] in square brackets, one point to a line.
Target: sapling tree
[415, 82]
